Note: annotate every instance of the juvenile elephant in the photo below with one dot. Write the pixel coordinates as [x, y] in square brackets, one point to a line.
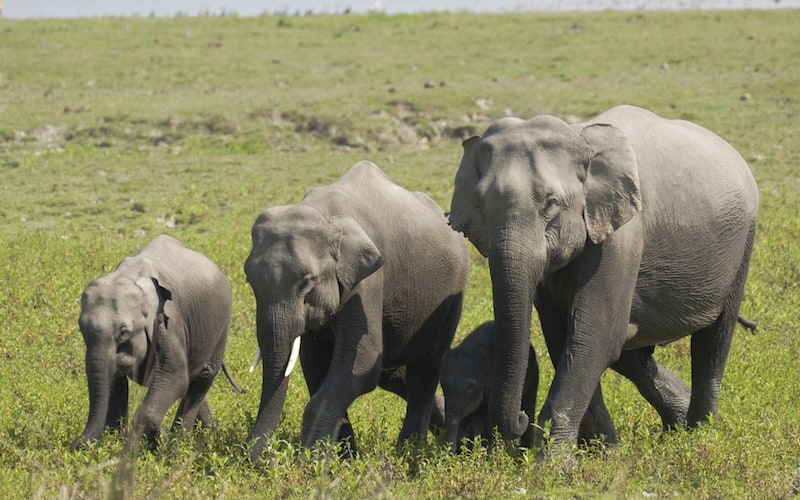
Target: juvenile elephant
[371, 277]
[161, 319]
[625, 232]
[466, 379]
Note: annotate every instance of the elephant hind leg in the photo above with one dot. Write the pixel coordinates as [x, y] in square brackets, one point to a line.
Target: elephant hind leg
[422, 377]
[710, 347]
[596, 422]
[394, 381]
[194, 406]
[664, 390]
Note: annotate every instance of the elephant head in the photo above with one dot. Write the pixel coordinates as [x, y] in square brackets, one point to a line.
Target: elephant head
[530, 195]
[302, 266]
[118, 320]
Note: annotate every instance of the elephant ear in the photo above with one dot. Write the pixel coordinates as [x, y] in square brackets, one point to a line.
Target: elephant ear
[611, 186]
[464, 204]
[358, 256]
[154, 297]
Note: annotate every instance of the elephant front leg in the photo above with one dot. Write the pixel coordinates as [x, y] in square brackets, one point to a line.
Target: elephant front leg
[117, 415]
[316, 351]
[354, 368]
[596, 421]
[150, 414]
[596, 328]
[169, 384]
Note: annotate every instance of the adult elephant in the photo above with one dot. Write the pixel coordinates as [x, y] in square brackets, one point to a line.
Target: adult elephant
[625, 232]
[161, 319]
[371, 278]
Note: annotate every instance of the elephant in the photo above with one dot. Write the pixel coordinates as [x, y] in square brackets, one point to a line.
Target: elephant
[625, 232]
[466, 376]
[161, 319]
[371, 277]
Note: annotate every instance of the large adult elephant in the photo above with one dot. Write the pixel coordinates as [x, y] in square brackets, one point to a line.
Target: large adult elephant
[371, 278]
[161, 319]
[625, 232]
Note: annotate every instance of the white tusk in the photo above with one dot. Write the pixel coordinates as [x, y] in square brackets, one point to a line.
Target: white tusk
[293, 356]
[256, 359]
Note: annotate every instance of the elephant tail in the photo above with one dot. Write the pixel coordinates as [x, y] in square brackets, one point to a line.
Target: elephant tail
[748, 324]
[227, 373]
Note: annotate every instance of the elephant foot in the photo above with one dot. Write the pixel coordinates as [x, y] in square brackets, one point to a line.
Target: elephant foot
[80, 442]
[560, 455]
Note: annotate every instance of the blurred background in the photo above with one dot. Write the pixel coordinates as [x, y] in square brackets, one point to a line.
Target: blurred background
[168, 8]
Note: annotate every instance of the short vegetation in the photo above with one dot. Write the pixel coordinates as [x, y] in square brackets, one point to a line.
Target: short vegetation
[115, 130]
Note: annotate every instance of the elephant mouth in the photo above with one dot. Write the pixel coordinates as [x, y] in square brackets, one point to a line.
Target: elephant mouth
[125, 363]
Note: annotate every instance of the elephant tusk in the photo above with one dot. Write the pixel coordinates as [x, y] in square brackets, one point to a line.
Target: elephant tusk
[256, 359]
[293, 356]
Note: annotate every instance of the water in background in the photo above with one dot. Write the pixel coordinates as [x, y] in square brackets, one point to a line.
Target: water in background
[168, 8]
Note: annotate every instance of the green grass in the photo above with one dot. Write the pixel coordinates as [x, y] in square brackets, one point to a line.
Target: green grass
[115, 130]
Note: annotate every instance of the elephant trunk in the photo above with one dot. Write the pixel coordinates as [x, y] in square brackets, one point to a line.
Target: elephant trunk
[516, 265]
[99, 372]
[275, 344]
[452, 423]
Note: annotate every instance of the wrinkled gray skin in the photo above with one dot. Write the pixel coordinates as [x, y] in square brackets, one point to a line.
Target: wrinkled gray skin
[466, 378]
[371, 277]
[161, 319]
[625, 232]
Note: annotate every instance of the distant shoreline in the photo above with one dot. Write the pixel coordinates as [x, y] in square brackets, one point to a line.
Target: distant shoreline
[37, 9]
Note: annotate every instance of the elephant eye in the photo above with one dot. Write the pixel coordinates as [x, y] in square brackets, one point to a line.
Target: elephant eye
[307, 284]
[552, 207]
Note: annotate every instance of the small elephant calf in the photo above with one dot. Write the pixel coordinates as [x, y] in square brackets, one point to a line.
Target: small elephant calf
[466, 378]
[161, 319]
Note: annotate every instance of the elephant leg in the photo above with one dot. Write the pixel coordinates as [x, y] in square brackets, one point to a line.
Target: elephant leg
[204, 415]
[316, 351]
[529, 393]
[163, 392]
[668, 394]
[472, 426]
[422, 378]
[117, 414]
[604, 280]
[709, 348]
[394, 381]
[195, 399]
[169, 384]
[596, 422]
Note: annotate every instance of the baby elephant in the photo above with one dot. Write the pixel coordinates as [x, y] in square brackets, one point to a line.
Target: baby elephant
[161, 319]
[466, 377]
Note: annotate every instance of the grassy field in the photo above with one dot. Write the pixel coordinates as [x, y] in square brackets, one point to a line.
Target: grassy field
[115, 130]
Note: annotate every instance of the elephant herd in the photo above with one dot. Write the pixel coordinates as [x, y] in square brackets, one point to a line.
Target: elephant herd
[624, 232]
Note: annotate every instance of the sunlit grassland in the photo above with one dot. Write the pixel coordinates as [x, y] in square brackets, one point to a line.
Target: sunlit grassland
[115, 130]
